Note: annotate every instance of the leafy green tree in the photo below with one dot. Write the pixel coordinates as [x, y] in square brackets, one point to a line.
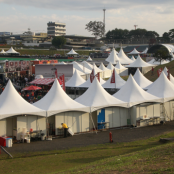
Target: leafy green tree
[171, 34]
[162, 54]
[117, 34]
[96, 27]
[58, 41]
[166, 37]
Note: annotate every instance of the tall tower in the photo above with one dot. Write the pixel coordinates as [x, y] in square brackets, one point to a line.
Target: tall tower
[135, 26]
[104, 21]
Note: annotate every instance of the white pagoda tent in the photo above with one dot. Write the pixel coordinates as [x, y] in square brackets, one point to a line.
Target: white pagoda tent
[154, 62]
[3, 52]
[11, 51]
[132, 58]
[121, 70]
[134, 52]
[166, 73]
[120, 66]
[72, 52]
[110, 66]
[62, 63]
[75, 80]
[57, 101]
[142, 81]
[81, 68]
[11, 104]
[89, 59]
[117, 83]
[86, 65]
[162, 88]
[145, 51]
[96, 97]
[106, 72]
[133, 94]
[124, 60]
[113, 58]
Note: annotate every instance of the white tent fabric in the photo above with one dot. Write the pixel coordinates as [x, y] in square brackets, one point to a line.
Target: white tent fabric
[39, 77]
[89, 59]
[133, 58]
[62, 63]
[134, 51]
[145, 51]
[75, 80]
[166, 73]
[139, 63]
[110, 66]
[11, 104]
[154, 62]
[133, 94]
[106, 72]
[113, 58]
[80, 68]
[162, 88]
[142, 81]
[120, 66]
[103, 68]
[96, 68]
[72, 52]
[3, 52]
[57, 101]
[79, 72]
[119, 82]
[12, 51]
[96, 97]
[124, 60]
[87, 65]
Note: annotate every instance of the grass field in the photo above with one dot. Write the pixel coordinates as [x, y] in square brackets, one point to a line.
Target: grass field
[132, 157]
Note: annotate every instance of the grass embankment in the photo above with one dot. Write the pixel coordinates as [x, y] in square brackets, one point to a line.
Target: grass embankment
[137, 156]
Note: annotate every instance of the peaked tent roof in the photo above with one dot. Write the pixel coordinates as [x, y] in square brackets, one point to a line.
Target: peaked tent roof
[2, 52]
[123, 58]
[113, 58]
[133, 94]
[56, 101]
[96, 68]
[79, 72]
[110, 66]
[75, 80]
[119, 82]
[86, 65]
[166, 73]
[11, 103]
[133, 58]
[102, 67]
[12, 51]
[62, 62]
[142, 81]
[145, 51]
[162, 88]
[154, 62]
[96, 97]
[80, 68]
[89, 59]
[134, 51]
[119, 66]
[72, 52]
[139, 62]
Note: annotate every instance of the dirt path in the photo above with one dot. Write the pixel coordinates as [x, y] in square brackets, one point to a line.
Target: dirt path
[119, 135]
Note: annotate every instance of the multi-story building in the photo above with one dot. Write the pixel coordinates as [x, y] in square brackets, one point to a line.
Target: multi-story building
[56, 29]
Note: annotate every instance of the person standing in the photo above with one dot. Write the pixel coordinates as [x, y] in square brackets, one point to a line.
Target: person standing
[65, 127]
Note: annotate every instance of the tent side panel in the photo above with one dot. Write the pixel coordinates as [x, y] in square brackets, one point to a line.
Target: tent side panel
[167, 111]
[3, 127]
[59, 118]
[69, 118]
[94, 118]
[172, 109]
[109, 116]
[157, 113]
[41, 124]
[116, 117]
[21, 123]
[125, 116]
[133, 113]
[76, 125]
[85, 122]
[150, 113]
[146, 69]
[31, 120]
[9, 124]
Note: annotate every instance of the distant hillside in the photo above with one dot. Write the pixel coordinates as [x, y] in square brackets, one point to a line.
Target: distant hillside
[155, 76]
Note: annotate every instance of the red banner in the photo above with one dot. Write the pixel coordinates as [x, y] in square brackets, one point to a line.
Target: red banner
[113, 77]
[98, 76]
[159, 71]
[62, 78]
[168, 75]
[92, 76]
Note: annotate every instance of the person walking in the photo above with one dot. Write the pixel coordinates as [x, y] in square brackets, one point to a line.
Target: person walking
[65, 127]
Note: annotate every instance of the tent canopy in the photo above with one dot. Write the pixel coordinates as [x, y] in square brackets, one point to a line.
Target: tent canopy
[11, 104]
[113, 58]
[133, 58]
[134, 51]
[12, 51]
[57, 101]
[3, 52]
[44, 81]
[120, 66]
[102, 67]
[162, 88]
[75, 80]
[142, 81]
[133, 94]
[166, 73]
[145, 51]
[138, 63]
[89, 59]
[154, 62]
[124, 60]
[87, 65]
[72, 52]
[110, 66]
[81, 68]
[31, 88]
[96, 97]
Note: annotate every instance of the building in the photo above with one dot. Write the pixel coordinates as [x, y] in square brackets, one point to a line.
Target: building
[56, 29]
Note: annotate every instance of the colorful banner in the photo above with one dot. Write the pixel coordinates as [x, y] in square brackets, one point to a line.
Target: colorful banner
[11, 67]
[168, 75]
[159, 71]
[92, 76]
[113, 77]
[62, 78]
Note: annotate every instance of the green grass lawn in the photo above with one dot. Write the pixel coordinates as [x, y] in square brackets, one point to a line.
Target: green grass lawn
[104, 158]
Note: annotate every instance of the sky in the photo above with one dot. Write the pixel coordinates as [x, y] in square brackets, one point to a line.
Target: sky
[18, 15]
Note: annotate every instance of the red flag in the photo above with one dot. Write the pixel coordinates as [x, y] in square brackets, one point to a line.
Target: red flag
[62, 78]
[92, 76]
[168, 75]
[56, 74]
[113, 77]
[98, 76]
[159, 71]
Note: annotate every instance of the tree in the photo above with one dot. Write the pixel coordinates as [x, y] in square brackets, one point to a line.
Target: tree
[162, 54]
[166, 37]
[171, 34]
[59, 41]
[96, 27]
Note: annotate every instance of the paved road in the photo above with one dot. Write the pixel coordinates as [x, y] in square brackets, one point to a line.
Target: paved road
[119, 135]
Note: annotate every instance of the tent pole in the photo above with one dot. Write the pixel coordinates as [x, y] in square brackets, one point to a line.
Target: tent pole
[92, 120]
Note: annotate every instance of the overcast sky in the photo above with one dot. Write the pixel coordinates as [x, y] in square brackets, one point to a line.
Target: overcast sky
[19, 15]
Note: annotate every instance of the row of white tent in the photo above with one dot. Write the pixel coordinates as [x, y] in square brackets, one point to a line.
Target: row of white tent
[10, 51]
[135, 52]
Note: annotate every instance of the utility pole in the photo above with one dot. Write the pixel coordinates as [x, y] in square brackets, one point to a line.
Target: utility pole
[135, 26]
[104, 21]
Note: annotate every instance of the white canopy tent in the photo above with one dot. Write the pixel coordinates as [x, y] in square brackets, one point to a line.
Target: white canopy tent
[106, 72]
[121, 70]
[162, 88]
[3, 52]
[57, 101]
[110, 66]
[154, 62]
[80, 68]
[113, 58]
[96, 97]
[119, 82]
[145, 51]
[11, 104]
[166, 73]
[120, 66]
[75, 80]
[133, 58]
[72, 52]
[142, 81]
[133, 94]
[124, 60]
[134, 51]
[62, 63]
[87, 65]
[11, 51]
[89, 59]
